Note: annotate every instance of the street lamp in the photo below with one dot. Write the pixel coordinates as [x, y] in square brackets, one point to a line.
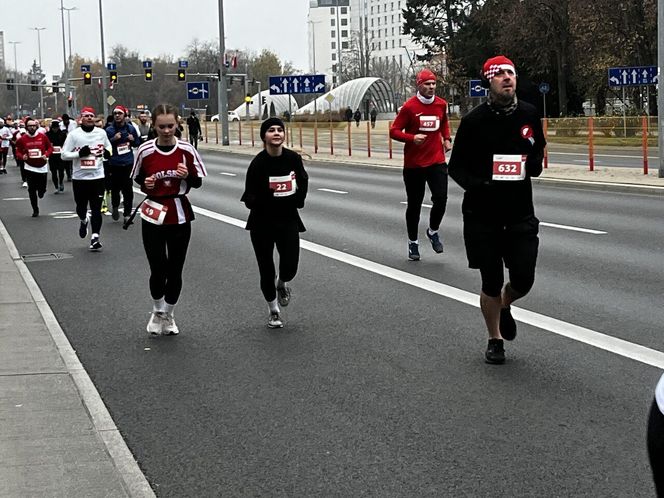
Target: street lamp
[104, 104]
[64, 51]
[16, 76]
[41, 88]
[222, 96]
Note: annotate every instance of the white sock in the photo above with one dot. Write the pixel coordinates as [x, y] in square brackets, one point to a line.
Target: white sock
[273, 306]
[158, 305]
[169, 308]
[414, 242]
[431, 232]
[95, 236]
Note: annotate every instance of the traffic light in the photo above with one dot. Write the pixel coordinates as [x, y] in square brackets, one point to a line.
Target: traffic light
[182, 75]
[148, 75]
[56, 86]
[114, 76]
[34, 85]
[87, 78]
[10, 84]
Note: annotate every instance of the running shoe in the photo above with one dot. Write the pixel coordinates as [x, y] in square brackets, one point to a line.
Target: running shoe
[436, 243]
[95, 245]
[116, 213]
[25, 185]
[284, 295]
[83, 229]
[413, 251]
[62, 187]
[495, 352]
[156, 323]
[274, 322]
[169, 328]
[35, 213]
[507, 324]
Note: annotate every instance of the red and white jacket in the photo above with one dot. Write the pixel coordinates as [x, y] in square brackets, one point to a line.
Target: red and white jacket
[34, 150]
[169, 190]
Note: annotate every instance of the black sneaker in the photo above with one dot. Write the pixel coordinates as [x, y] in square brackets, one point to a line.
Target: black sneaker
[284, 295]
[436, 243]
[83, 229]
[95, 245]
[35, 213]
[495, 353]
[116, 213]
[413, 251]
[507, 324]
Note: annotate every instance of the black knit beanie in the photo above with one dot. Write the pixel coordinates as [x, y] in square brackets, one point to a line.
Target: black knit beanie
[265, 125]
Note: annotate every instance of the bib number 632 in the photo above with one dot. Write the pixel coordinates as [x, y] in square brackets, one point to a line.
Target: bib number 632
[510, 167]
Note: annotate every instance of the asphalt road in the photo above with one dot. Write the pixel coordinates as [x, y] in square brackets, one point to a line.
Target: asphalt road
[377, 385]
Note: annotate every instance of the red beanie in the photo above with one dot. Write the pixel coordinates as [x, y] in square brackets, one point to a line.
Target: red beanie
[88, 110]
[495, 64]
[425, 75]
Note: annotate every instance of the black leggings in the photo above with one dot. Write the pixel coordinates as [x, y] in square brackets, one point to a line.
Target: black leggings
[286, 237]
[21, 165]
[36, 185]
[166, 249]
[57, 169]
[121, 182]
[656, 447]
[89, 192]
[3, 158]
[415, 180]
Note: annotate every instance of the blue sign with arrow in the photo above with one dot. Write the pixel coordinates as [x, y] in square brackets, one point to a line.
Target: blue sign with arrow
[198, 90]
[633, 76]
[85, 68]
[475, 89]
[147, 64]
[301, 83]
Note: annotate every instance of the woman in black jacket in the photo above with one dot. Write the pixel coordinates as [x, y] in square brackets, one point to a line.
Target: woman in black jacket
[276, 187]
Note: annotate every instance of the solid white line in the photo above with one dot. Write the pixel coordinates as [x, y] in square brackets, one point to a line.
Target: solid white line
[423, 205]
[574, 229]
[332, 191]
[227, 174]
[580, 334]
[16, 199]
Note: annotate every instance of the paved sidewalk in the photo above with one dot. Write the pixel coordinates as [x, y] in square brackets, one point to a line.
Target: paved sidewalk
[57, 438]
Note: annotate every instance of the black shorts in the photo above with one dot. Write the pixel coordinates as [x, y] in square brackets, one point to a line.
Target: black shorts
[490, 243]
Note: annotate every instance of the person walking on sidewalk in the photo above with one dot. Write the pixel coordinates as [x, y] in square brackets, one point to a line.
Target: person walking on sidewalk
[357, 116]
[423, 126]
[276, 187]
[87, 146]
[194, 127]
[34, 148]
[499, 147]
[166, 169]
[57, 165]
[123, 136]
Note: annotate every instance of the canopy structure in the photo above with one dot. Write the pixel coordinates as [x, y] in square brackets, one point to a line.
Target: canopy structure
[258, 110]
[361, 93]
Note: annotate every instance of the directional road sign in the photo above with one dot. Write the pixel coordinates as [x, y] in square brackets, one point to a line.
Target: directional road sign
[111, 66]
[301, 83]
[183, 64]
[147, 64]
[475, 89]
[198, 90]
[633, 76]
[85, 68]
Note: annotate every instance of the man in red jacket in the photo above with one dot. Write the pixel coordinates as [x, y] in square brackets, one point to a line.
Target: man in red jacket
[423, 126]
[34, 148]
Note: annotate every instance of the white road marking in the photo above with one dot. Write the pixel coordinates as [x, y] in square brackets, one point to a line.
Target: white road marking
[423, 205]
[332, 191]
[574, 229]
[16, 199]
[227, 174]
[581, 334]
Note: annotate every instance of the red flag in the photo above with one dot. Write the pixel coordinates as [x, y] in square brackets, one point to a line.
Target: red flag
[234, 61]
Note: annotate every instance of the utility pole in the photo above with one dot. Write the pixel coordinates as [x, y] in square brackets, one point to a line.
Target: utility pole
[16, 78]
[41, 88]
[222, 94]
[104, 104]
[64, 54]
[660, 87]
[68, 60]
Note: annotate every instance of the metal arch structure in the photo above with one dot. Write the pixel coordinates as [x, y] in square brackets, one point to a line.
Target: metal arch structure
[356, 94]
[280, 105]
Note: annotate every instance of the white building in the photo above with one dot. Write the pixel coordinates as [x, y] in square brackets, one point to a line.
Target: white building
[2, 49]
[329, 34]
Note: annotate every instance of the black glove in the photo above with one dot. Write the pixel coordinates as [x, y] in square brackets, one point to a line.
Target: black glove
[107, 154]
[84, 151]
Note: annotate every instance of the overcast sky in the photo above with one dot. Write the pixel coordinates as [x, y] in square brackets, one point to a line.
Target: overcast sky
[152, 28]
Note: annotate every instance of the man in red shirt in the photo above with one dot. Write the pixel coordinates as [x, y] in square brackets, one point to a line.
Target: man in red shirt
[34, 148]
[423, 126]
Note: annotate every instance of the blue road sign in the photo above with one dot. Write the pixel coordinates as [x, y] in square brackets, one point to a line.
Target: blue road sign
[544, 87]
[85, 68]
[301, 83]
[183, 64]
[147, 64]
[198, 90]
[111, 66]
[633, 76]
[475, 89]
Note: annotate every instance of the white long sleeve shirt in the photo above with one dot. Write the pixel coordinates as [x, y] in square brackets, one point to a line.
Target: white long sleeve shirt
[89, 167]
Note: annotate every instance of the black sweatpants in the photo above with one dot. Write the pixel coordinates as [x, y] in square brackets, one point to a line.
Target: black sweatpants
[57, 166]
[193, 140]
[121, 183]
[36, 187]
[166, 249]
[3, 158]
[21, 165]
[286, 237]
[656, 447]
[415, 180]
[89, 192]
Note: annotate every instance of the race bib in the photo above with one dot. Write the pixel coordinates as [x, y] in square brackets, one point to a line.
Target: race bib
[34, 153]
[153, 212]
[4, 144]
[124, 149]
[56, 150]
[88, 162]
[283, 186]
[429, 123]
[511, 167]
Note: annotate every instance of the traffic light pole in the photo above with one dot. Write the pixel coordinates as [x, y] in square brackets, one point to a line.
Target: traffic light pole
[104, 104]
[660, 87]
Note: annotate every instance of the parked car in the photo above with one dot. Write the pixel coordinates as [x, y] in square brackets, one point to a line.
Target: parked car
[232, 116]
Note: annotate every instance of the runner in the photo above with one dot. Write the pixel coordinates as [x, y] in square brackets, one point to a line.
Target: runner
[143, 126]
[87, 146]
[499, 147]
[123, 137]
[18, 133]
[57, 138]
[5, 141]
[656, 437]
[276, 187]
[34, 148]
[423, 126]
[166, 169]
[67, 125]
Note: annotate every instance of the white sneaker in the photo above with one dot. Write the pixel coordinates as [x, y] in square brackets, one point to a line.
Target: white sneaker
[25, 185]
[275, 322]
[170, 328]
[156, 323]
